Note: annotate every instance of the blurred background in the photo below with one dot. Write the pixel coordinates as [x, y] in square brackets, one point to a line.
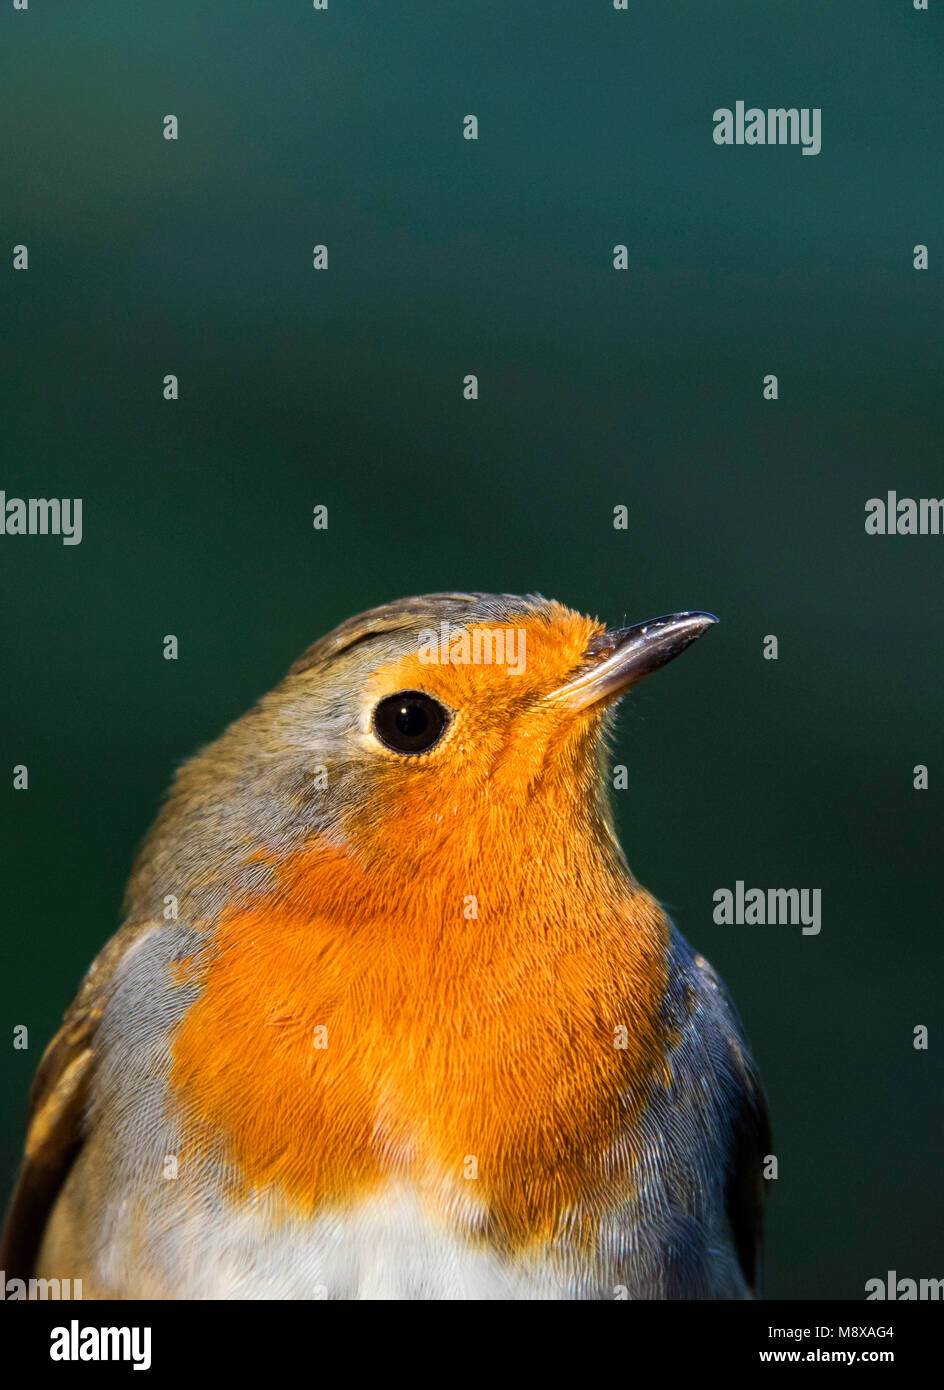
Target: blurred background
[597, 388]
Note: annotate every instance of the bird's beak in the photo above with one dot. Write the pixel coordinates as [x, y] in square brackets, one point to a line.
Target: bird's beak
[619, 658]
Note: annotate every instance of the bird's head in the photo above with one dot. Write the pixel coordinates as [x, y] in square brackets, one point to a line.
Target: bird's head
[443, 726]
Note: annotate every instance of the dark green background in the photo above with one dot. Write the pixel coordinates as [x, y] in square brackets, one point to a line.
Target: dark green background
[597, 388]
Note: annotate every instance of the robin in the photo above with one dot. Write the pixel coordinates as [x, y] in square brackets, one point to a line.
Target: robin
[389, 1016]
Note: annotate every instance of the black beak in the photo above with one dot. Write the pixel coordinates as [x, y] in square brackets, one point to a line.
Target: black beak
[621, 657]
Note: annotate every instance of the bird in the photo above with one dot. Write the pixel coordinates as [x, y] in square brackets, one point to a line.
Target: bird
[388, 1015]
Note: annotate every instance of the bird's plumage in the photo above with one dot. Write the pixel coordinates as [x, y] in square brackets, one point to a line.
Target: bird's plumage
[327, 1076]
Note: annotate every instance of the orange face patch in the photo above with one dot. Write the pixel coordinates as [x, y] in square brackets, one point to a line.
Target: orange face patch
[494, 673]
[506, 749]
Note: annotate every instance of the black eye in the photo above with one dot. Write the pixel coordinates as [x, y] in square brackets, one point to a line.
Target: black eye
[410, 722]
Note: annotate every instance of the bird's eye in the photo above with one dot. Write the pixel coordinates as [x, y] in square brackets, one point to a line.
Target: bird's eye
[410, 722]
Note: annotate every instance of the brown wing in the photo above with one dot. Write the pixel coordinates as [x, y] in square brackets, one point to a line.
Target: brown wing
[58, 1098]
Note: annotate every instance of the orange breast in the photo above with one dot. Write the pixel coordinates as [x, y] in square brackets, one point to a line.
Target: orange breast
[349, 1033]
